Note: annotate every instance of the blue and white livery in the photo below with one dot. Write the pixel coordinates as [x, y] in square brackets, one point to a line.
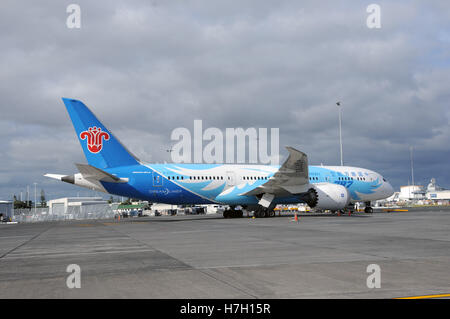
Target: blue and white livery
[113, 169]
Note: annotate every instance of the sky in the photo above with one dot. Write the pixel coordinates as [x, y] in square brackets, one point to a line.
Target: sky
[148, 67]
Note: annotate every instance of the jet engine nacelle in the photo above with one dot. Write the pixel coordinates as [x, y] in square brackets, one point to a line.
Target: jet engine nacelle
[327, 196]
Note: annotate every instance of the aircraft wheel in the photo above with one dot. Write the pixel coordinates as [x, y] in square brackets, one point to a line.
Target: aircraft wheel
[233, 214]
[368, 210]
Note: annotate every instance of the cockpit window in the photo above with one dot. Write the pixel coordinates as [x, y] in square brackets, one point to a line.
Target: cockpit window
[384, 179]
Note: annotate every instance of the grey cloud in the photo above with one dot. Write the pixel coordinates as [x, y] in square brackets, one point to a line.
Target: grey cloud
[146, 68]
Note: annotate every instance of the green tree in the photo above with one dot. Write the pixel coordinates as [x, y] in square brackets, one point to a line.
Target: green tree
[18, 203]
[127, 202]
[43, 202]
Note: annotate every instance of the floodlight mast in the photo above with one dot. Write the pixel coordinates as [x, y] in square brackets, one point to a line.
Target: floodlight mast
[340, 131]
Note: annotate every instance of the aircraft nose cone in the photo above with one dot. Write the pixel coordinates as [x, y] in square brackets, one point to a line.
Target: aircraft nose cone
[388, 189]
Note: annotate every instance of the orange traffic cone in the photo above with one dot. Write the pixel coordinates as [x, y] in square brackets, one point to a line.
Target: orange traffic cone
[296, 217]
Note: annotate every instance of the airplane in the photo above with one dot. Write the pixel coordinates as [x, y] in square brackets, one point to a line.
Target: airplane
[115, 170]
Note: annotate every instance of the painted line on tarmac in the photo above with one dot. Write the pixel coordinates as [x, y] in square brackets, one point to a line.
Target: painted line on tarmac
[426, 296]
[59, 255]
[26, 242]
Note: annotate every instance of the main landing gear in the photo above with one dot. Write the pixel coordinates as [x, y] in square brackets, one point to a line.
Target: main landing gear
[368, 209]
[265, 206]
[258, 213]
[233, 213]
[263, 212]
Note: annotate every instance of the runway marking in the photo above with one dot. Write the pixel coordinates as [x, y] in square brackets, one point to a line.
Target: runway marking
[26, 242]
[192, 231]
[18, 236]
[426, 296]
[227, 283]
[57, 255]
[123, 223]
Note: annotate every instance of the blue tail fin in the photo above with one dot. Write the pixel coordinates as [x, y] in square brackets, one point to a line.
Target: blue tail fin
[101, 148]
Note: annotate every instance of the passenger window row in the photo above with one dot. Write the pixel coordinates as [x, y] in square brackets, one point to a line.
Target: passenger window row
[216, 177]
[253, 178]
[351, 178]
[195, 177]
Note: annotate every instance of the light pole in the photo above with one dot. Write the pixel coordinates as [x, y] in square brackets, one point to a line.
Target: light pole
[340, 130]
[35, 198]
[412, 166]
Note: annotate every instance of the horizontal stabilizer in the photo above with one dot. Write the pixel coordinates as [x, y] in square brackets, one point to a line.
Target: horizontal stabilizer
[55, 176]
[95, 174]
[65, 178]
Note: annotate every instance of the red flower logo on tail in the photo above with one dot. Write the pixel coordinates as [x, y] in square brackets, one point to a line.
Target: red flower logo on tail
[95, 137]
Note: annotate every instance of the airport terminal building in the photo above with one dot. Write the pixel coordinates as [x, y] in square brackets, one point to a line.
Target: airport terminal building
[79, 207]
[67, 208]
[432, 193]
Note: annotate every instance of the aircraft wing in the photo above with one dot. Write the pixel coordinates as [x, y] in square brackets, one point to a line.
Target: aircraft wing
[291, 178]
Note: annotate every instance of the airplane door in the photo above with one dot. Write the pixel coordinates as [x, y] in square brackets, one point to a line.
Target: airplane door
[157, 179]
[230, 178]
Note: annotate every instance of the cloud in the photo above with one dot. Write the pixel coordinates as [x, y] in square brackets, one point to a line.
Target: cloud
[146, 68]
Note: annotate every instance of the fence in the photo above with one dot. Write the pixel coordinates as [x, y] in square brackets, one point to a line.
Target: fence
[97, 211]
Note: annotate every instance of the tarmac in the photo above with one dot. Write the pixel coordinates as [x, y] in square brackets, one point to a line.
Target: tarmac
[321, 256]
